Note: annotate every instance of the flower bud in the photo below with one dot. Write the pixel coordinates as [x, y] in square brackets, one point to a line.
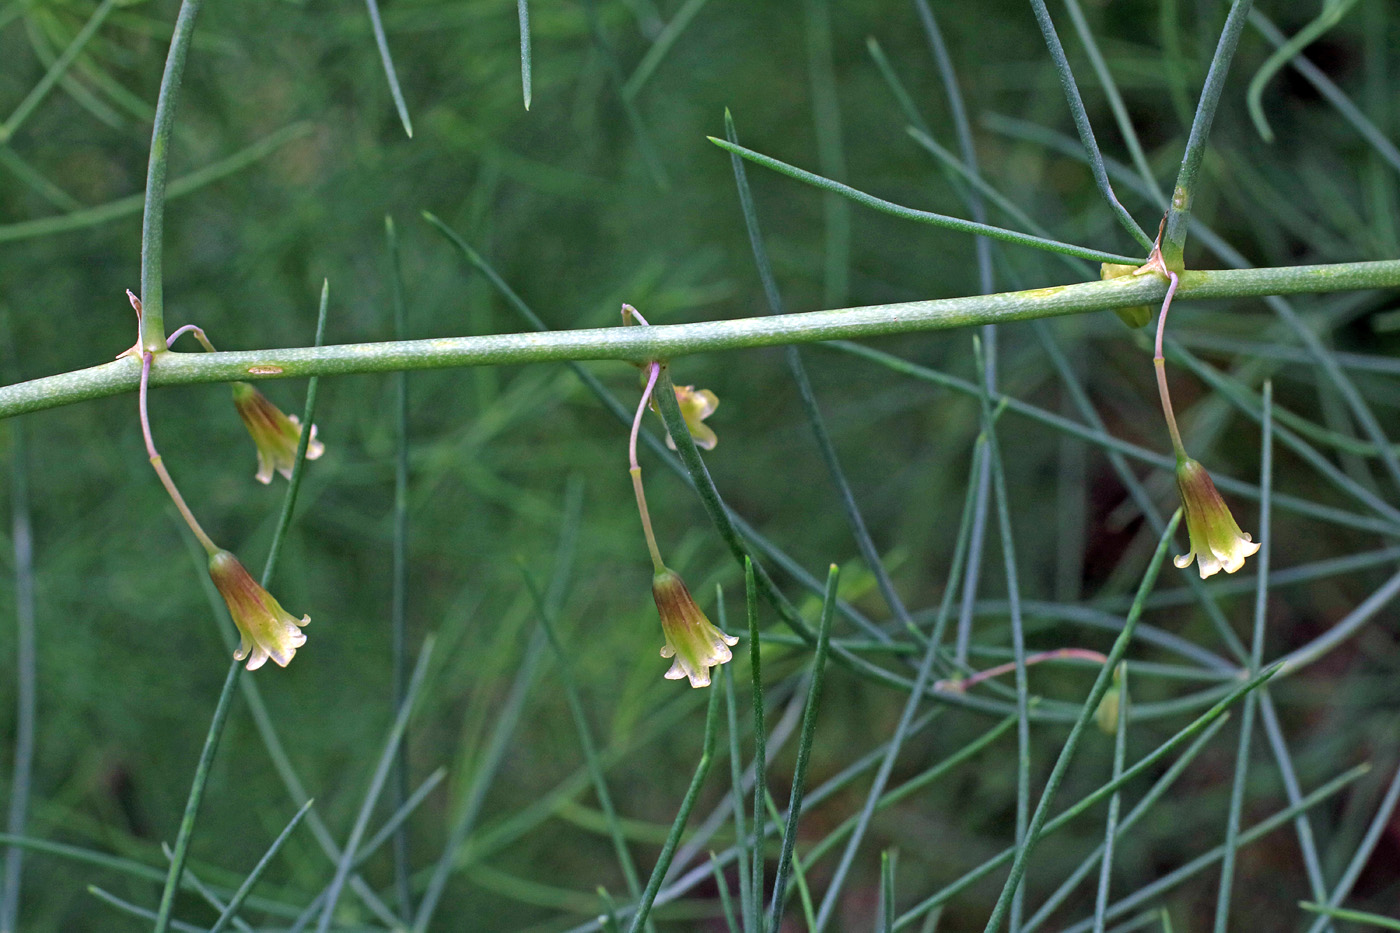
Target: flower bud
[691, 639]
[267, 630]
[1216, 541]
[275, 434]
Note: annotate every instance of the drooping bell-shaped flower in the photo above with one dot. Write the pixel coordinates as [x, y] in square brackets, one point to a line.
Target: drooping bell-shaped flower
[267, 630]
[275, 434]
[696, 405]
[1216, 541]
[691, 639]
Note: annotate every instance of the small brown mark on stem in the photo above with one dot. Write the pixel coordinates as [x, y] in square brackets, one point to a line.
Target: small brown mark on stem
[265, 370]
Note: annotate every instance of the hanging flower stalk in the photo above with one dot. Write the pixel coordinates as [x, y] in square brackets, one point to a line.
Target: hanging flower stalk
[1216, 540]
[266, 630]
[692, 641]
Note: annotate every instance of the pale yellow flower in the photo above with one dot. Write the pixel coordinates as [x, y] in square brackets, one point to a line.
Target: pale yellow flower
[267, 630]
[276, 435]
[696, 405]
[691, 639]
[1216, 541]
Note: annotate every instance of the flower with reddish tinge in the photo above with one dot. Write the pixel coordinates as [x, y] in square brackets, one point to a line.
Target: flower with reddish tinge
[691, 639]
[275, 434]
[696, 406]
[267, 630]
[1216, 541]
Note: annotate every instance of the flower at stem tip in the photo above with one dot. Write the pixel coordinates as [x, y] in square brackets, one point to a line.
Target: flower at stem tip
[695, 643]
[1216, 541]
[275, 434]
[267, 630]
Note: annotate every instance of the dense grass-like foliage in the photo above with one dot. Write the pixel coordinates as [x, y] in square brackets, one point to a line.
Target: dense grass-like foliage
[477, 734]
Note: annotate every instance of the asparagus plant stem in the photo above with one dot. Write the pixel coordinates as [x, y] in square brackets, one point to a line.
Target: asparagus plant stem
[636, 469]
[1161, 366]
[668, 341]
[209, 546]
[153, 219]
[1178, 215]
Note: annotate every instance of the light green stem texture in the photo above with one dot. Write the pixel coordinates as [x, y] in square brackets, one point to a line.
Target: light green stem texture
[153, 222]
[668, 341]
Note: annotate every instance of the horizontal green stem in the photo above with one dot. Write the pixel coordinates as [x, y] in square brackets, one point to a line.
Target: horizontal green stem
[667, 341]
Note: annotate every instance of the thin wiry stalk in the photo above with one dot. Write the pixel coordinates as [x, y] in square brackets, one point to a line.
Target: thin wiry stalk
[381, 41]
[804, 389]
[81, 218]
[398, 605]
[138, 911]
[586, 743]
[887, 892]
[661, 47]
[230, 912]
[57, 70]
[26, 664]
[754, 923]
[1081, 123]
[1115, 99]
[1018, 644]
[744, 846]
[375, 788]
[196, 797]
[522, 8]
[1331, 14]
[1174, 237]
[726, 903]
[831, 156]
[1302, 825]
[663, 861]
[1155, 889]
[153, 217]
[1156, 792]
[1256, 661]
[927, 217]
[962, 130]
[1120, 748]
[1362, 855]
[804, 752]
[1091, 705]
[1009, 853]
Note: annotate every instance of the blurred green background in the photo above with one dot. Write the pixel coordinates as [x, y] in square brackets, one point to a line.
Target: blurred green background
[580, 208]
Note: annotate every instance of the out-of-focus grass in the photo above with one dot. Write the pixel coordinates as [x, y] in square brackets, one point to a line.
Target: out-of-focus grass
[561, 200]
